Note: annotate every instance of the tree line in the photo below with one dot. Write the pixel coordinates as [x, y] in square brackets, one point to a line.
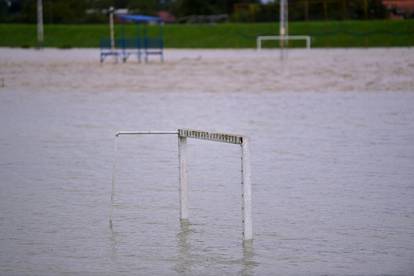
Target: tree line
[95, 11]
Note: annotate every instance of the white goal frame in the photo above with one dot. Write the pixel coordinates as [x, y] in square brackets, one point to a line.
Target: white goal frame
[182, 135]
[283, 38]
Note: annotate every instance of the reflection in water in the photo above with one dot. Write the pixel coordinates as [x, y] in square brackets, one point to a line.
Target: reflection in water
[187, 260]
[248, 258]
[114, 239]
[184, 261]
[111, 227]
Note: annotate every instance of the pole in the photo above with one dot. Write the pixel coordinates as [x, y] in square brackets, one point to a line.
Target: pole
[113, 178]
[306, 2]
[246, 192]
[366, 9]
[111, 27]
[40, 32]
[182, 156]
[283, 26]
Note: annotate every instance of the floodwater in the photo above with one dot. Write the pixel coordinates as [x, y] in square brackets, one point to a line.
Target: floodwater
[332, 176]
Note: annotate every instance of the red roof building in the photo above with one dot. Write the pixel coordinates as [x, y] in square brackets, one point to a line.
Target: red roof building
[400, 7]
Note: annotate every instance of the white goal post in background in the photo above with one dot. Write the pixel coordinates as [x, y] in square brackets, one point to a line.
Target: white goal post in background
[182, 135]
[283, 38]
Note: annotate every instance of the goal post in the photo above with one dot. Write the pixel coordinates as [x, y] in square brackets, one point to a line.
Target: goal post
[182, 136]
[260, 39]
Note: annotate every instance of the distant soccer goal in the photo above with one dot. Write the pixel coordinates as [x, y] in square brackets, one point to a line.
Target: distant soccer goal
[182, 135]
[306, 38]
[283, 31]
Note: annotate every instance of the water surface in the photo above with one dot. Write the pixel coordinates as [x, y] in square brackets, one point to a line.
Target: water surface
[332, 176]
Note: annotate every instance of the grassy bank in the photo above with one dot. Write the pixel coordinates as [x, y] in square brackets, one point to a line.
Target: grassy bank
[232, 35]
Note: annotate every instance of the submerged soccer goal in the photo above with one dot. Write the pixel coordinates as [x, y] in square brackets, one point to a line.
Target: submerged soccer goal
[182, 135]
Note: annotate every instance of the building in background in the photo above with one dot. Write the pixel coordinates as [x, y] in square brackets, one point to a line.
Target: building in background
[400, 8]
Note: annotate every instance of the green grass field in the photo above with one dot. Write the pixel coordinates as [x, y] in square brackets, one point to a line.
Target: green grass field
[376, 33]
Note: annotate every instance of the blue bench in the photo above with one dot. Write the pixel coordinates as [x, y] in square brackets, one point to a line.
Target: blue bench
[142, 45]
[124, 48]
[106, 49]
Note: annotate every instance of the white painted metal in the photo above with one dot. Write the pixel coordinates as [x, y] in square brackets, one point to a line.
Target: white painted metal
[114, 168]
[283, 25]
[183, 134]
[211, 136]
[245, 166]
[111, 27]
[246, 192]
[40, 32]
[113, 179]
[144, 132]
[286, 37]
[182, 157]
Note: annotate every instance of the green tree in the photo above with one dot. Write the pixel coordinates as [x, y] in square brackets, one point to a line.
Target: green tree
[189, 7]
[144, 6]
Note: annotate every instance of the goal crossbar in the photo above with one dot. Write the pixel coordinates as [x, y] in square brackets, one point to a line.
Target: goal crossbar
[284, 38]
[182, 135]
[211, 136]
